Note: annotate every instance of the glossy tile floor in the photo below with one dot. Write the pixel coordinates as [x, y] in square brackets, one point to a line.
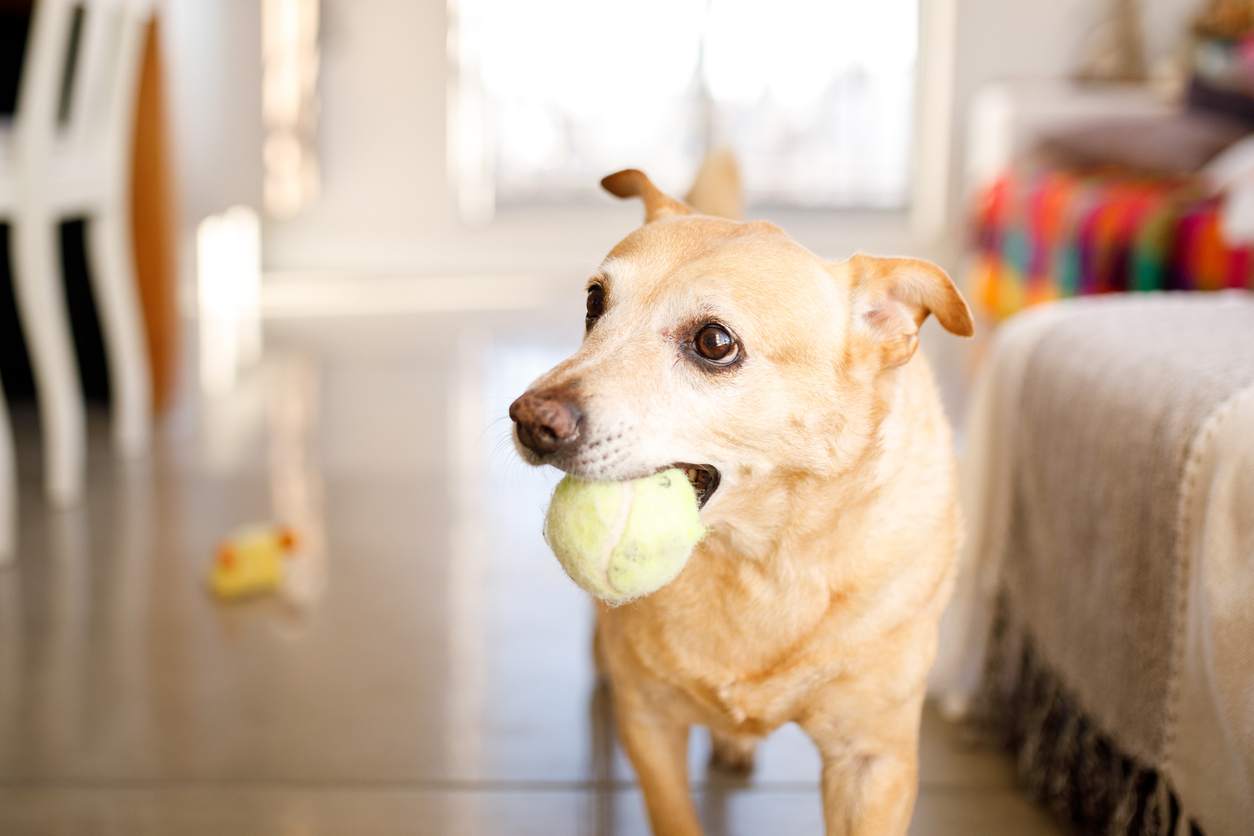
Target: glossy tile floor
[426, 672]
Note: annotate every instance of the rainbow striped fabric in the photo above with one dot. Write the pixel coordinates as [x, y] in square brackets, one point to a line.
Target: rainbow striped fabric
[1043, 233]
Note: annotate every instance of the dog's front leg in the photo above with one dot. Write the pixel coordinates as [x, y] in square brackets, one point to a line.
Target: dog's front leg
[869, 780]
[658, 750]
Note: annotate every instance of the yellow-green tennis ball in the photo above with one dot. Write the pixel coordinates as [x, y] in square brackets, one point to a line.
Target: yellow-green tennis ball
[623, 540]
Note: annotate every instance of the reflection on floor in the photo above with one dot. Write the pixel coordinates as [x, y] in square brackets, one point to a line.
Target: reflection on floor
[428, 672]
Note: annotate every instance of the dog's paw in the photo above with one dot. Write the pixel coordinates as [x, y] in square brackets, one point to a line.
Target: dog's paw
[732, 755]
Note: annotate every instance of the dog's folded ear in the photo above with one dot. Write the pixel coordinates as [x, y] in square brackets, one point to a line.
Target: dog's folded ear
[716, 190]
[633, 183]
[892, 296]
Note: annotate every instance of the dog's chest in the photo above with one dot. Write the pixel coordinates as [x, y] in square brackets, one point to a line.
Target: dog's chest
[757, 680]
[754, 707]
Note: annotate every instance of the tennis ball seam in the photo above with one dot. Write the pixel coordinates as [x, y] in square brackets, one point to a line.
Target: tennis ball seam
[627, 496]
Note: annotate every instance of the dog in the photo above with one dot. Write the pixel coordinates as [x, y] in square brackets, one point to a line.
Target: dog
[790, 390]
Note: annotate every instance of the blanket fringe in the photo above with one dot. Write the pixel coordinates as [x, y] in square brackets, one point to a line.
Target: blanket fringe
[1065, 761]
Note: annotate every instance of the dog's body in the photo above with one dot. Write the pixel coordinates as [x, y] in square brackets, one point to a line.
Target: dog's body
[791, 390]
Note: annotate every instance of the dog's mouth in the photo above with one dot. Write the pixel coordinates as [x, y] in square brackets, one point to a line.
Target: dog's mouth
[703, 477]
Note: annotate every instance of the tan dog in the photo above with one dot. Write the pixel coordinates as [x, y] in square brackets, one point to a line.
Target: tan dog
[790, 389]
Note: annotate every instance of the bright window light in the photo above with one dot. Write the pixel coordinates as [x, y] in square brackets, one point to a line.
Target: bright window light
[816, 98]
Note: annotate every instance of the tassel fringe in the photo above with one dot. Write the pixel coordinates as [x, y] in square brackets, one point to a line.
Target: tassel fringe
[1065, 762]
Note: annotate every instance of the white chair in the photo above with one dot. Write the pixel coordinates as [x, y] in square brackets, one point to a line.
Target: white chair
[68, 155]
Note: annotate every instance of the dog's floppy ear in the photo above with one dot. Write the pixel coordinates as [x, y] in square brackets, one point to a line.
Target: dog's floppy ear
[633, 183]
[892, 296]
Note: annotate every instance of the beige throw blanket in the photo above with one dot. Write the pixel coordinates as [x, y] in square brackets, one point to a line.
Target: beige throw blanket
[1104, 616]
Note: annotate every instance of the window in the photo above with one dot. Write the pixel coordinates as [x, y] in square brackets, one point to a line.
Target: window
[816, 98]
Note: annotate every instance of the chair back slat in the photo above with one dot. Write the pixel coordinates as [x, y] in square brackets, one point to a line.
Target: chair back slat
[79, 78]
[69, 64]
[34, 117]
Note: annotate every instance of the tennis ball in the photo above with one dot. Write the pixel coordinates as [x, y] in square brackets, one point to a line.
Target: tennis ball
[623, 540]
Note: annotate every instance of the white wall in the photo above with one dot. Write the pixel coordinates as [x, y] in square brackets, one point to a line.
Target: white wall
[380, 138]
[213, 62]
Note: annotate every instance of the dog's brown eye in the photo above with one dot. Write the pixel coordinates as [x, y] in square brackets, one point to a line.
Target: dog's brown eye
[714, 343]
[596, 304]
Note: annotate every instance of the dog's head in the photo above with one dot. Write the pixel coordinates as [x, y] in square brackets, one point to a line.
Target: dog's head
[729, 350]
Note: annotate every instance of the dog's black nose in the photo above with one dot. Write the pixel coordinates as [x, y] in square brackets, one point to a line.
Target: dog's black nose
[545, 420]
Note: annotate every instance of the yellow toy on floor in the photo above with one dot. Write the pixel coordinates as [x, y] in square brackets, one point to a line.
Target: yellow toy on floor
[251, 561]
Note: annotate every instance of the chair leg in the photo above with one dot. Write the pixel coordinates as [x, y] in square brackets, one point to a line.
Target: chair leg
[8, 489]
[40, 298]
[126, 343]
